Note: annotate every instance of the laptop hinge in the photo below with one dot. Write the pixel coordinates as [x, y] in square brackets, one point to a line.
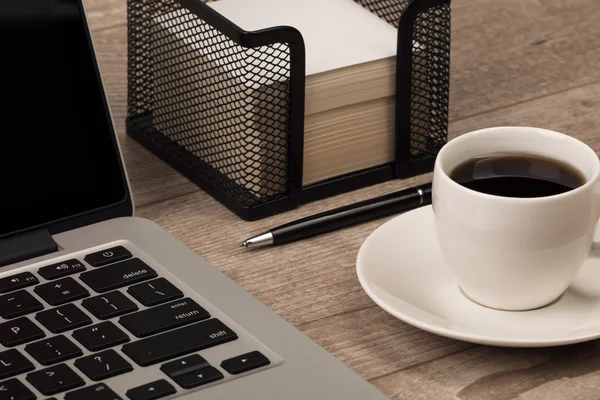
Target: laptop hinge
[25, 246]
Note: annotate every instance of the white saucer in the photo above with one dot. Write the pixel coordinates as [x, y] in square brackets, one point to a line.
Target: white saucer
[401, 268]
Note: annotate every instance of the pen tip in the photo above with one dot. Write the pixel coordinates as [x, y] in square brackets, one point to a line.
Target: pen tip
[244, 244]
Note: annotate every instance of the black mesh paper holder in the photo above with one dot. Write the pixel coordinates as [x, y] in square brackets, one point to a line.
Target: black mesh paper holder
[243, 143]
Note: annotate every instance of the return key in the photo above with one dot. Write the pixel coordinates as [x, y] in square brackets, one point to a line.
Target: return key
[163, 318]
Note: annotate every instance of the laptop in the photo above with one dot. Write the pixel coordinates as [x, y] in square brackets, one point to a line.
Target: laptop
[96, 304]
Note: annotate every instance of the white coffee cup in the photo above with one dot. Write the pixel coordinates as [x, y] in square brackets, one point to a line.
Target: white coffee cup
[514, 253]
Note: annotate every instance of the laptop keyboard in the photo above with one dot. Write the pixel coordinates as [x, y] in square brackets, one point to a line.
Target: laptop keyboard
[114, 327]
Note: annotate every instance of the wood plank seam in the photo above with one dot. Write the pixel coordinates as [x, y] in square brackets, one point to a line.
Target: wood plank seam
[518, 103]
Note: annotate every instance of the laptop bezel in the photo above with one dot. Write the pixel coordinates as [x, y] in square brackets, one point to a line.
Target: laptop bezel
[124, 207]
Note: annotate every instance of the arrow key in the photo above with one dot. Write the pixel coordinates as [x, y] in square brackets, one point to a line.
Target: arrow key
[184, 366]
[13, 389]
[55, 379]
[245, 362]
[200, 377]
[151, 391]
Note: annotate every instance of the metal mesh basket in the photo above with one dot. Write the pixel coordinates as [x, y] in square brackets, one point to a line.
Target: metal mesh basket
[424, 96]
[226, 107]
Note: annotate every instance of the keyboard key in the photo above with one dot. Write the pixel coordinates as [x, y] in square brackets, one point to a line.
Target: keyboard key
[155, 292]
[12, 389]
[245, 362]
[13, 363]
[101, 336]
[184, 366]
[55, 379]
[63, 318]
[163, 318]
[19, 331]
[150, 391]
[61, 292]
[53, 350]
[103, 365]
[198, 378]
[118, 275]
[99, 391]
[18, 303]
[107, 256]
[179, 342]
[109, 305]
[61, 269]
[17, 281]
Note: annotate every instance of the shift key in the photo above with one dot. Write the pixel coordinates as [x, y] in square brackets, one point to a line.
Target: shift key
[165, 317]
[179, 342]
[118, 275]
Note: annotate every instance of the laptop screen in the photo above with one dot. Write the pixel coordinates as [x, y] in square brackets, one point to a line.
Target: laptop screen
[58, 155]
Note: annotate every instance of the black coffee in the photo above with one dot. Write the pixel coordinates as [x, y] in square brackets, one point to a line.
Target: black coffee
[517, 175]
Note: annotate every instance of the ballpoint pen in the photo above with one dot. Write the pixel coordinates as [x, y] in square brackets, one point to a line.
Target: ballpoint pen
[342, 217]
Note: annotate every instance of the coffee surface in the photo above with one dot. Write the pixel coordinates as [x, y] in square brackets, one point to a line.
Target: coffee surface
[517, 175]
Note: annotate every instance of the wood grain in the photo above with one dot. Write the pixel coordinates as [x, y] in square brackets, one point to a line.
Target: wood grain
[510, 51]
[574, 112]
[569, 372]
[105, 14]
[375, 344]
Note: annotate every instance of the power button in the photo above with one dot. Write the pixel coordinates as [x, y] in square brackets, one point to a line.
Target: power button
[107, 256]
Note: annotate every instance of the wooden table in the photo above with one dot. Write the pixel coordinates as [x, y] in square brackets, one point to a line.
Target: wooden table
[514, 62]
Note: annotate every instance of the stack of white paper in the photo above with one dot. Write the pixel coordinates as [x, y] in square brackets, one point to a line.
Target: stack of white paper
[350, 88]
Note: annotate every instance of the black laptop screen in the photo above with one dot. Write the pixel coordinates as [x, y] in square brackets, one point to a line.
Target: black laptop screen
[57, 152]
